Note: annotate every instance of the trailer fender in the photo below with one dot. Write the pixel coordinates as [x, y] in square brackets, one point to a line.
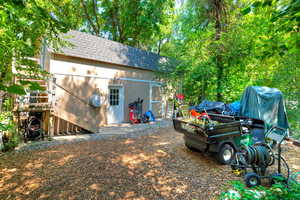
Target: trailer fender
[229, 142]
[213, 148]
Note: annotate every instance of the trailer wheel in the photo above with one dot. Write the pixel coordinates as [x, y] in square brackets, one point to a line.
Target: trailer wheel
[252, 179]
[226, 154]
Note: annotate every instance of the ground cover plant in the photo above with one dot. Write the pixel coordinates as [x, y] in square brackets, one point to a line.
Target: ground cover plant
[277, 191]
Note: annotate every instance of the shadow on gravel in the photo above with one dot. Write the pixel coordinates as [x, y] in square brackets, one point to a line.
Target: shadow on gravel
[148, 167]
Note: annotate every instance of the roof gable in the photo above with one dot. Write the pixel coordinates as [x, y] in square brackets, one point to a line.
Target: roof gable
[88, 46]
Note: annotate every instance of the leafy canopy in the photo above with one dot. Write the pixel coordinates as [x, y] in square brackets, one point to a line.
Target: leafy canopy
[25, 25]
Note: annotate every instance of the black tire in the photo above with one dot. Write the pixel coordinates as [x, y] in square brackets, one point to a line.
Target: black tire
[252, 179]
[226, 154]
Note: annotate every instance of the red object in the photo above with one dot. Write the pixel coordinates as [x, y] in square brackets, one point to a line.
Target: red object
[194, 113]
[204, 115]
[132, 117]
[180, 96]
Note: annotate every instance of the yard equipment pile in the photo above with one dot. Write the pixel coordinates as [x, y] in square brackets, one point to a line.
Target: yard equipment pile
[236, 132]
[225, 128]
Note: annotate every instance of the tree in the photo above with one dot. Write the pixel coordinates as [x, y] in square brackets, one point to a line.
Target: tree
[257, 44]
[25, 25]
[132, 22]
[206, 19]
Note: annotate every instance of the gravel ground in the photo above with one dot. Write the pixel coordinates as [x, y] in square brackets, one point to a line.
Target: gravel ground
[156, 166]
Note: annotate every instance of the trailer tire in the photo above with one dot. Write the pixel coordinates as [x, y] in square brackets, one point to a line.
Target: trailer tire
[226, 154]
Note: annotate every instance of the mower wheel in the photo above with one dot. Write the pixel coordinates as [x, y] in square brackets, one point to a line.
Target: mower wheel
[252, 179]
[226, 154]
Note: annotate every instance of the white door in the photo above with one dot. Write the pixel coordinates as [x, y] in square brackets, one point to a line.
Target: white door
[115, 112]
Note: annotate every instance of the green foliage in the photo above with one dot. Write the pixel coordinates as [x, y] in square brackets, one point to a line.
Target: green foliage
[16, 89]
[5, 121]
[254, 49]
[278, 191]
[196, 46]
[10, 136]
[139, 23]
[25, 26]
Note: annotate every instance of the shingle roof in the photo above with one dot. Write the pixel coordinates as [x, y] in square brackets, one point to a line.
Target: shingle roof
[88, 46]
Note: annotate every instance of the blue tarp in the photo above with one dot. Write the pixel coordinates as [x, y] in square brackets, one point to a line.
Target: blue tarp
[218, 107]
[210, 106]
[235, 107]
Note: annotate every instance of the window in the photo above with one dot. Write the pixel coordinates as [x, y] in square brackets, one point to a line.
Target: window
[114, 97]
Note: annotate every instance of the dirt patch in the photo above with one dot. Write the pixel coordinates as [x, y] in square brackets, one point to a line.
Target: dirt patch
[149, 167]
[291, 153]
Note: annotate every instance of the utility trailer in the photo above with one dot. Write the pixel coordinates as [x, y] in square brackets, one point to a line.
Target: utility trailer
[223, 139]
[261, 109]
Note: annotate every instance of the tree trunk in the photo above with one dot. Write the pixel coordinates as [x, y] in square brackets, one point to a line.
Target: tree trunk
[96, 30]
[219, 8]
[220, 75]
[159, 46]
[114, 14]
[95, 9]
[1, 100]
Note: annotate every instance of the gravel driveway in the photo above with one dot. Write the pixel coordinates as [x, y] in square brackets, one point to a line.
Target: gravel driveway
[155, 167]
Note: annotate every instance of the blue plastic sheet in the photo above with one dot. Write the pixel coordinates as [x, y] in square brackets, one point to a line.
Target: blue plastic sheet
[265, 104]
[218, 107]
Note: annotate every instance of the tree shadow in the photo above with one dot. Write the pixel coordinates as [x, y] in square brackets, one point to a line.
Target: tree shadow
[73, 91]
[73, 99]
[148, 167]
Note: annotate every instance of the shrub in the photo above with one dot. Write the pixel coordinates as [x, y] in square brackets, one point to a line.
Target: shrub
[277, 191]
[10, 135]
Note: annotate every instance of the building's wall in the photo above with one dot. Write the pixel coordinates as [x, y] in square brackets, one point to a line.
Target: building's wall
[71, 65]
[83, 86]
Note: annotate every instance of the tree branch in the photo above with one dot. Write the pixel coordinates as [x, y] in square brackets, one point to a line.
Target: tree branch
[96, 15]
[88, 17]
